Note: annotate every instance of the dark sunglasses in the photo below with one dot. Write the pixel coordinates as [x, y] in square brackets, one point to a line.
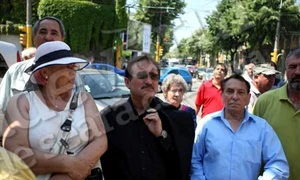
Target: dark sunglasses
[144, 75]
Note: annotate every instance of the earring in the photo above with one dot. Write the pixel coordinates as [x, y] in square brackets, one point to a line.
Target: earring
[46, 77]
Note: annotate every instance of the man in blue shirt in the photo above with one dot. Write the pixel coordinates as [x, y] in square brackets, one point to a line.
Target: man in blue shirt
[232, 144]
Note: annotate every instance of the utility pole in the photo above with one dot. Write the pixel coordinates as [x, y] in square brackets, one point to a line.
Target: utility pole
[158, 46]
[277, 37]
[28, 23]
[157, 57]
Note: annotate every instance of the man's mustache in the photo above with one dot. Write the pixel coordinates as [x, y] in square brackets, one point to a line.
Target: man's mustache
[295, 78]
[148, 86]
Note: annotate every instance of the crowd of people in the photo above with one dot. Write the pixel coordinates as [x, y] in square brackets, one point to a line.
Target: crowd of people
[53, 129]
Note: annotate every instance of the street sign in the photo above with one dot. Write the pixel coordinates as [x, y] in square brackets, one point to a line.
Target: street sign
[147, 38]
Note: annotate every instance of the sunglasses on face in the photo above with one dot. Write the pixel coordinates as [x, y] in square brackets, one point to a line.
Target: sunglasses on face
[144, 75]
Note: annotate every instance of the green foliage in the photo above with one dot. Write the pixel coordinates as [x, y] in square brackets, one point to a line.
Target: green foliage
[160, 19]
[9, 28]
[15, 11]
[89, 26]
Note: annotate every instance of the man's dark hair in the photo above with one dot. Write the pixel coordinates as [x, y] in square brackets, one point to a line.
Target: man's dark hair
[37, 24]
[237, 77]
[137, 59]
[223, 65]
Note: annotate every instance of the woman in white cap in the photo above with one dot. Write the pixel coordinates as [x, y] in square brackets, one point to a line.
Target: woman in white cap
[49, 128]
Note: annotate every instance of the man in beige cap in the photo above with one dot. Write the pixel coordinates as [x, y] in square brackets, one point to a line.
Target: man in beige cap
[263, 80]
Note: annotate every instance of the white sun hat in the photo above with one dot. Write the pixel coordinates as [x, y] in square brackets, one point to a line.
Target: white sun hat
[55, 53]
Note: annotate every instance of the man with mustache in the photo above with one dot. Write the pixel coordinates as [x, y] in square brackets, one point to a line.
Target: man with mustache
[147, 138]
[263, 81]
[280, 108]
[208, 98]
[233, 144]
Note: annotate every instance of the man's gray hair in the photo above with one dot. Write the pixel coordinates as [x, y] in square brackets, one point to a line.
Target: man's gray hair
[173, 79]
[37, 24]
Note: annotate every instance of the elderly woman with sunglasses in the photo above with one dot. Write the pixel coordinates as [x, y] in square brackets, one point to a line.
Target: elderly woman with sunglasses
[173, 88]
[39, 120]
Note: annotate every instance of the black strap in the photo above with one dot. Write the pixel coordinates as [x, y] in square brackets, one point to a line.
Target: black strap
[66, 126]
[73, 104]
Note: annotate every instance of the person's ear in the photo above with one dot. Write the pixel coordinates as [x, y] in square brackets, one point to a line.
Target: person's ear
[127, 82]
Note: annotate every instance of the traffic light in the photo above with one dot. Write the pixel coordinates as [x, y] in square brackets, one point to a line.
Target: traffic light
[161, 50]
[23, 35]
[274, 56]
[23, 39]
[115, 44]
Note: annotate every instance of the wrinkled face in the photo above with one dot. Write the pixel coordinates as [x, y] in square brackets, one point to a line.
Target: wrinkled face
[264, 82]
[48, 30]
[219, 72]
[235, 96]
[144, 81]
[293, 73]
[250, 69]
[174, 95]
[60, 77]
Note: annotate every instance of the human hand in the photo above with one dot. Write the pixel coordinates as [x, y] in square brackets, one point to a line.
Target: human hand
[153, 122]
[79, 168]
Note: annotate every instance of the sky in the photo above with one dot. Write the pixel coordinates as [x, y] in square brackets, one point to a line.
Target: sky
[192, 19]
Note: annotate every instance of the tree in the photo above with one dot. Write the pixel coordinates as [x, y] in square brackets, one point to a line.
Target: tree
[160, 14]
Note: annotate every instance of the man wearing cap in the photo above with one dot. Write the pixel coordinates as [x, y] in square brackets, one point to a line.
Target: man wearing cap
[263, 80]
[281, 108]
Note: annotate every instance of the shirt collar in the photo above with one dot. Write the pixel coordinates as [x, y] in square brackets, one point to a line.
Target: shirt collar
[254, 89]
[221, 115]
[283, 92]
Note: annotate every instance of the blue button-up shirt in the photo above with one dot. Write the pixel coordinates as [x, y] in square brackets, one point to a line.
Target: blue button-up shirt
[220, 153]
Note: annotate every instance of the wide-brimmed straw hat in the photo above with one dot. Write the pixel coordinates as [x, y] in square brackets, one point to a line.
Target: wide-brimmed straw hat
[55, 53]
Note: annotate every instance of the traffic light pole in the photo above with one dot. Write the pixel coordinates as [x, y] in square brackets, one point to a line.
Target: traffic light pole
[277, 37]
[28, 23]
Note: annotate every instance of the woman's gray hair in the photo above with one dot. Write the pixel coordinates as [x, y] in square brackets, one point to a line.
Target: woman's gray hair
[173, 79]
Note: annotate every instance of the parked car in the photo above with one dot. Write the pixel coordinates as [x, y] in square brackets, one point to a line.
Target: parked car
[191, 69]
[105, 87]
[200, 73]
[209, 73]
[9, 54]
[106, 67]
[176, 70]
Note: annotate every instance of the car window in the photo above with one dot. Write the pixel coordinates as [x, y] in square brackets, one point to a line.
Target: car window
[174, 71]
[185, 74]
[104, 85]
[209, 70]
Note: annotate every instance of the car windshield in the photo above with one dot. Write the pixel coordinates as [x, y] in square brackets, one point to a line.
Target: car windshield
[163, 71]
[209, 70]
[106, 84]
[201, 69]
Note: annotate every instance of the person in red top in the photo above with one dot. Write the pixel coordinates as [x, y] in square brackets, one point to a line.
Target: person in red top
[209, 93]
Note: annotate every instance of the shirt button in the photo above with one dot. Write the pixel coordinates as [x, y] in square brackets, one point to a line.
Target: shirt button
[143, 152]
[142, 137]
[143, 169]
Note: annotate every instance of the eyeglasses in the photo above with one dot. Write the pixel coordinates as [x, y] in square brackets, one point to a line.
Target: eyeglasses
[231, 92]
[144, 75]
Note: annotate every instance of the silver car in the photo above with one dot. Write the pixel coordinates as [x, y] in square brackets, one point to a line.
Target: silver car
[106, 87]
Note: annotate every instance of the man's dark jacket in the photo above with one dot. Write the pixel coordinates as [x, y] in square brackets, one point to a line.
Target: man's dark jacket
[179, 125]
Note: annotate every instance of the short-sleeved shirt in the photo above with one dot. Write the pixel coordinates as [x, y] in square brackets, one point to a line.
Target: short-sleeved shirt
[209, 97]
[254, 96]
[276, 107]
